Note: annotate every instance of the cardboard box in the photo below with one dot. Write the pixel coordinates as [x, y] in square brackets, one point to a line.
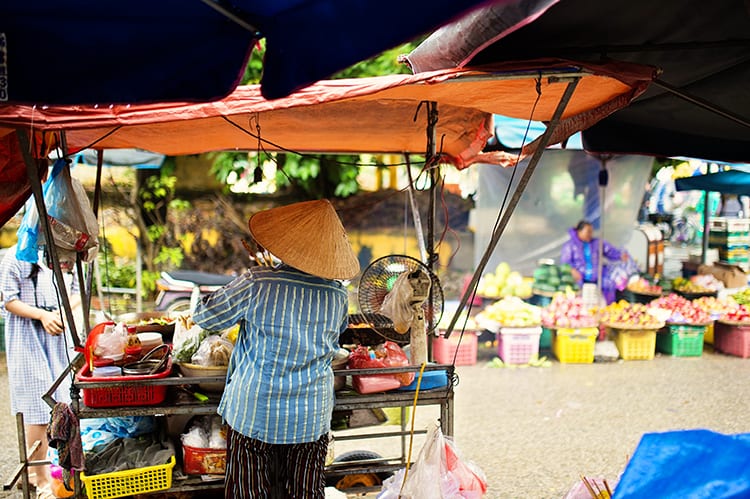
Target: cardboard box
[731, 275]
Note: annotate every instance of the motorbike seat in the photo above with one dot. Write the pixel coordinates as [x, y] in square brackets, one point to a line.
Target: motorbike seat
[200, 278]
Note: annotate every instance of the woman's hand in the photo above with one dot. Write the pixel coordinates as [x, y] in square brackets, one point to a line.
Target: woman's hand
[625, 257]
[576, 274]
[52, 322]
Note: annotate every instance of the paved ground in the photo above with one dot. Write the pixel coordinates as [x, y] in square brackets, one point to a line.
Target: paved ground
[534, 430]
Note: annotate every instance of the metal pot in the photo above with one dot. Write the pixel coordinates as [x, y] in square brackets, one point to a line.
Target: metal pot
[148, 365]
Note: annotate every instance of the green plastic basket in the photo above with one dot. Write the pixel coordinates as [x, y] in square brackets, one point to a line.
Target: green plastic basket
[681, 340]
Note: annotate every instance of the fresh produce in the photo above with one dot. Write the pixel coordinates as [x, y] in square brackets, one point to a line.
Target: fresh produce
[643, 286]
[682, 285]
[550, 278]
[682, 311]
[741, 314]
[568, 311]
[512, 312]
[714, 306]
[743, 297]
[624, 315]
[503, 282]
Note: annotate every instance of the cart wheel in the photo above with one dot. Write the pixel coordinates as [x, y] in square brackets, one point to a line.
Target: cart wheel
[360, 479]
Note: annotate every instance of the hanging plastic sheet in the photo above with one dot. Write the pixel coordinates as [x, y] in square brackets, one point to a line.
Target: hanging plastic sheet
[563, 190]
[699, 464]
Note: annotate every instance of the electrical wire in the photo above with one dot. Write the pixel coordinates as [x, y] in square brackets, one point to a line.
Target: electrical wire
[503, 204]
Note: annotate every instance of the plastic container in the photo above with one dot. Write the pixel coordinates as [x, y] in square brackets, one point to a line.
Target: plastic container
[129, 482]
[444, 351]
[123, 396]
[545, 340]
[197, 461]
[723, 224]
[636, 344]
[681, 340]
[518, 345]
[708, 336]
[430, 381]
[732, 339]
[106, 371]
[575, 346]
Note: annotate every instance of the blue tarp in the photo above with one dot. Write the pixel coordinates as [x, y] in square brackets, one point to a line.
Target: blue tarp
[699, 464]
[727, 182]
[94, 52]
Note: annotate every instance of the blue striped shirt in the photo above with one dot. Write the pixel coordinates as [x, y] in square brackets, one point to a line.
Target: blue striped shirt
[280, 384]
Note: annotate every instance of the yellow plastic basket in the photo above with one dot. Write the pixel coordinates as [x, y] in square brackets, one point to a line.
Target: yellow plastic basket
[636, 344]
[129, 482]
[708, 336]
[575, 346]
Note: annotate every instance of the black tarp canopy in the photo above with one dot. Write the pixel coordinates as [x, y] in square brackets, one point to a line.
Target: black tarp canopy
[103, 52]
[702, 50]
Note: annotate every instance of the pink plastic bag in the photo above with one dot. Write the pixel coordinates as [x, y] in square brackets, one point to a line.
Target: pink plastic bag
[387, 355]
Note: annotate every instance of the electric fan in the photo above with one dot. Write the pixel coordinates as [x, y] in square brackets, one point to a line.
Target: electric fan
[405, 290]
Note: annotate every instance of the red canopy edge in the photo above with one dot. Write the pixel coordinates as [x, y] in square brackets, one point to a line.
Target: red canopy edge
[348, 116]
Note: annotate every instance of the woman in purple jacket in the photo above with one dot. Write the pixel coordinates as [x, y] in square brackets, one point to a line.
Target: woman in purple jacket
[581, 252]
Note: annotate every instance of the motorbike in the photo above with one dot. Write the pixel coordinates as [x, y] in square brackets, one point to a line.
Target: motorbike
[180, 290]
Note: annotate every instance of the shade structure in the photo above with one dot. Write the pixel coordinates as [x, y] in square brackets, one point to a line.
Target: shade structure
[726, 182]
[92, 52]
[380, 114]
[699, 107]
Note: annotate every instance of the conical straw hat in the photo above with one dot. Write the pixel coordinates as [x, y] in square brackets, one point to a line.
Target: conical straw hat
[307, 236]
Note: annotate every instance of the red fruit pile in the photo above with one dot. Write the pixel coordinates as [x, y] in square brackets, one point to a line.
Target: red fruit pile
[683, 310]
[568, 312]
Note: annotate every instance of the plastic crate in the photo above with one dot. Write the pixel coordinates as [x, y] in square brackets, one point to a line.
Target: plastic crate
[575, 346]
[123, 396]
[636, 344]
[129, 482]
[722, 224]
[708, 336]
[443, 351]
[545, 340]
[518, 345]
[196, 461]
[731, 339]
[721, 238]
[681, 340]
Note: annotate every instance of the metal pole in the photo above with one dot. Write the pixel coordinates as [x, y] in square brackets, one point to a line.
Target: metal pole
[36, 189]
[415, 213]
[524, 180]
[706, 227]
[431, 162]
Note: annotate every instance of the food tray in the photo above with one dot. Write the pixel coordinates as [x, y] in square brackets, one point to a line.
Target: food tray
[196, 461]
[575, 346]
[517, 345]
[732, 339]
[445, 350]
[129, 482]
[636, 344]
[123, 396]
[681, 340]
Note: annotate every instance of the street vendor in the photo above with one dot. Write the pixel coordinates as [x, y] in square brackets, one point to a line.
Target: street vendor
[279, 395]
[581, 252]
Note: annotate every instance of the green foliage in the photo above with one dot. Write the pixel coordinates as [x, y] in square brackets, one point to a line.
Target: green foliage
[384, 63]
[170, 258]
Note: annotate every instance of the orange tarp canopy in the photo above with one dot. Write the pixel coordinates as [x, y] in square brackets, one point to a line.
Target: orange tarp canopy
[377, 115]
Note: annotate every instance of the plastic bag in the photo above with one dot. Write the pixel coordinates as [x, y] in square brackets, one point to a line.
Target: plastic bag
[213, 351]
[111, 342]
[206, 433]
[438, 472]
[72, 220]
[388, 354]
[27, 249]
[397, 304]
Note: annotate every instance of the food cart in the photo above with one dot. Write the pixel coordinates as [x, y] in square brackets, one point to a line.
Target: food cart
[365, 115]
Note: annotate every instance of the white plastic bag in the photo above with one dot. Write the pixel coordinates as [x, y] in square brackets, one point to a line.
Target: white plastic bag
[437, 473]
[214, 351]
[397, 304]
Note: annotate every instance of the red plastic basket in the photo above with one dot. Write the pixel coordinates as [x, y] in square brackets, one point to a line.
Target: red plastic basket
[732, 339]
[445, 350]
[123, 396]
[197, 461]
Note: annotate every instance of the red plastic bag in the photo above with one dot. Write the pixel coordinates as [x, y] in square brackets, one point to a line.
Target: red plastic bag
[387, 355]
